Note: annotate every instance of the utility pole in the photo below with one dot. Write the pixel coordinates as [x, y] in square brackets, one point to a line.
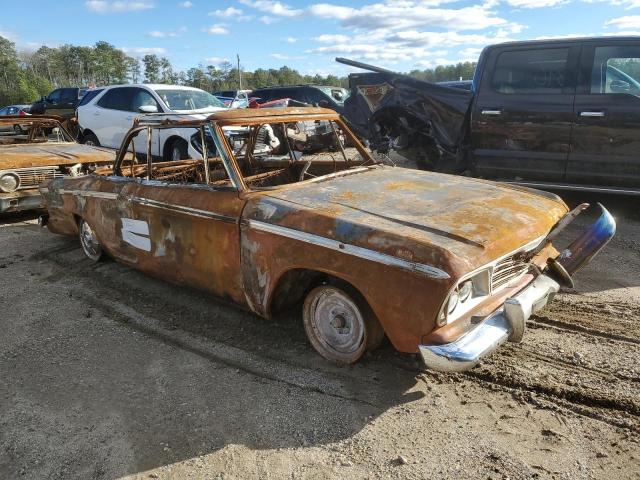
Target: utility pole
[239, 73]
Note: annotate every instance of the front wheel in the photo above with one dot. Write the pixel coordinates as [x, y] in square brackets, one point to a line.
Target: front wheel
[339, 326]
[90, 244]
[178, 151]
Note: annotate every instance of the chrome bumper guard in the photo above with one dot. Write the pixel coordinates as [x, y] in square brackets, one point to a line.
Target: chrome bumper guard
[506, 323]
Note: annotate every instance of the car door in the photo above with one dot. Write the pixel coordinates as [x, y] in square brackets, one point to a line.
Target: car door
[185, 232]
[111, 119]
[68, 100]
[522, 114]
[606, 133]
[139, 97]
[52, 101]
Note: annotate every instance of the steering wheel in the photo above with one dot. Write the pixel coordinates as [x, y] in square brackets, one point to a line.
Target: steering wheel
[303, 172]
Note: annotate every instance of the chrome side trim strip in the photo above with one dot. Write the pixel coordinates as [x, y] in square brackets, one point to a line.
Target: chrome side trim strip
[354, 250]
[194, 212]
[85, 193]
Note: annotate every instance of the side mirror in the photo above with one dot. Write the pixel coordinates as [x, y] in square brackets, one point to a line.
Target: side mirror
[148, 109]
[620, 86]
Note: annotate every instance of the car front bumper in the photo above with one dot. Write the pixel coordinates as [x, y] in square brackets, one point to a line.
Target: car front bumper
[20, 200]
[509, 320]
[492, 331]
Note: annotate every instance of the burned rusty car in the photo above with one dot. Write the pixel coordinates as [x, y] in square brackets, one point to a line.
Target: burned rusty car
[444, 266]
[38, 151]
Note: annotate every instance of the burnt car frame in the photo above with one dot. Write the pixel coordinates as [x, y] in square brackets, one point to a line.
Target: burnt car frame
[444, 266]
[37, 152]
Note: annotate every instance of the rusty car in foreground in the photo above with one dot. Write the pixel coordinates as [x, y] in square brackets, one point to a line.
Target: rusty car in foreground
[39, 150]
[285, 207]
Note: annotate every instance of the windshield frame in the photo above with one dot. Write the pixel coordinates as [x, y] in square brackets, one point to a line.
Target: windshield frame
[227, 150]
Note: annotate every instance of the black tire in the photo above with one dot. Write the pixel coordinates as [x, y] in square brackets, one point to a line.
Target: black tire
[90, 139]
[178, 150]
[17, 129]
[89, 242]
[339, 324]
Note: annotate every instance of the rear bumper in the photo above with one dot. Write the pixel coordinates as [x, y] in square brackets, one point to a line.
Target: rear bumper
[20, 200]
[506, 323]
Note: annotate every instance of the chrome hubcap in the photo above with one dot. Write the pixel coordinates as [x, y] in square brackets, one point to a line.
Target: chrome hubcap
[338, 321]
[89, 241]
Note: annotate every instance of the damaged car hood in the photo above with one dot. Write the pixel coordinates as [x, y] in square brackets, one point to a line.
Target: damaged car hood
[46, 154]
[438, 219]
[429, 109]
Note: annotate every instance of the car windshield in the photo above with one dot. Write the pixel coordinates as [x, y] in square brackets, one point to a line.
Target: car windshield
[178, 99]
[338, 95]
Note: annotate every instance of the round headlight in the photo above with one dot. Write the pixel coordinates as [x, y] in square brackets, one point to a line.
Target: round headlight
[453, 301]
[9, 182]
[465, 290]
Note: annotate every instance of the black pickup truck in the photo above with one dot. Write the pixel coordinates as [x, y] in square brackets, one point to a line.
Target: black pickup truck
[549, 113]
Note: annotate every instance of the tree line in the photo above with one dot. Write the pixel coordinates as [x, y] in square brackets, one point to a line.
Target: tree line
[26, 76]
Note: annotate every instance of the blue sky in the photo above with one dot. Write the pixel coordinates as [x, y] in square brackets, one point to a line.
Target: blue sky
[308, 35]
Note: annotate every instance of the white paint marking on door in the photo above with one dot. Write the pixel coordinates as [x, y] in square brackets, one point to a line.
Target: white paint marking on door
[136, 233]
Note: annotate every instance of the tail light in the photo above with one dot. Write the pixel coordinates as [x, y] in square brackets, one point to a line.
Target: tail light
[21, 113]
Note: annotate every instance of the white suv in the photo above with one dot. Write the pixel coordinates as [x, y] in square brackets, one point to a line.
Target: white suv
[107, 117]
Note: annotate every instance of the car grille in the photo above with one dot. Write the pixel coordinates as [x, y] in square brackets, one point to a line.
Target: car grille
[32, 177]
[507, 270]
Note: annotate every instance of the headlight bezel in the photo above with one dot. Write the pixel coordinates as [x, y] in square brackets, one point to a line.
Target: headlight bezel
[13, 175]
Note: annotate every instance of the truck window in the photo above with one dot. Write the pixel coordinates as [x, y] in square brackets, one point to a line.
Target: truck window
[616, 69]
[536, 71]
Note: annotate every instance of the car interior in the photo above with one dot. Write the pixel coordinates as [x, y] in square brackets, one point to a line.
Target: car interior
[268, 155]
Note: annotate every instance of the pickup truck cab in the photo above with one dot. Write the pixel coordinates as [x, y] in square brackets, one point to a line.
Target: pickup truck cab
[560, 113]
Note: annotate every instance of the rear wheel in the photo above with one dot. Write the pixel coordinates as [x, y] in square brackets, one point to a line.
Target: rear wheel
[91, 139]
[17, 129]
[339, 325]
[178, 150]
[90, 244]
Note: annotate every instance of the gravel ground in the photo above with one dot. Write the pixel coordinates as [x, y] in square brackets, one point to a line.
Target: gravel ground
[107, 373]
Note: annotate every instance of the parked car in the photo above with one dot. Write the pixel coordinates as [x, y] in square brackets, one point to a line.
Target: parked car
[546, 113]
[15, 110]
[42, 151]
[233, 98]
[61, 102]
[317, 95]
[446, 266]
[107, 117]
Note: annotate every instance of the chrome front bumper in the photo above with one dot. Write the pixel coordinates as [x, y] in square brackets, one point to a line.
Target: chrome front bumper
[20, 200]
[506, 323]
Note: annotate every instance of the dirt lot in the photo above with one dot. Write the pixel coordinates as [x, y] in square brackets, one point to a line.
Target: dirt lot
[106, 373]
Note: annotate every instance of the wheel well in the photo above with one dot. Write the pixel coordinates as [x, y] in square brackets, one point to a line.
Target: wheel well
[293, 286]
[86, 132]
[167, 145]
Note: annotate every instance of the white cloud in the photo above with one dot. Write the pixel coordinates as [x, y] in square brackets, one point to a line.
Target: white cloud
[628, 22]
[226, 13]
[535, 3]
[279, 56]
[470, 54]
[139, 51]
[398, 15]
[12, 37]
[290, 39]
[332, 38]
[273, 8]
[170, 34]
[186, 4]
[216, 60]
[217, 29]
[267, 20]
[103, 6]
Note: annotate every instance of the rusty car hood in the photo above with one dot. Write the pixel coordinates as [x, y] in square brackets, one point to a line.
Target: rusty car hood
[48, 154]
[443, 220]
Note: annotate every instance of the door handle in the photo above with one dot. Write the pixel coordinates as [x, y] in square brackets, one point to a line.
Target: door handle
[491, 112]
[589, 113]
